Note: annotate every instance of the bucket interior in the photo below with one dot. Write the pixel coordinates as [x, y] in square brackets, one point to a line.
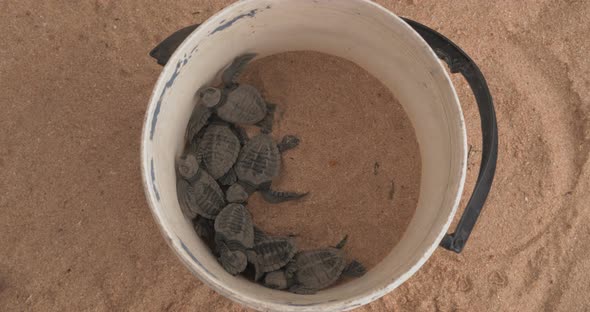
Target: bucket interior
[361, 32]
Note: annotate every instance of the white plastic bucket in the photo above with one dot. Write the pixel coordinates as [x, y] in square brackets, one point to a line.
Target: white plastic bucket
[360, 31]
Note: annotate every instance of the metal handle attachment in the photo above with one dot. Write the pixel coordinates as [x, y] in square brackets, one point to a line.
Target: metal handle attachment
[460, 62]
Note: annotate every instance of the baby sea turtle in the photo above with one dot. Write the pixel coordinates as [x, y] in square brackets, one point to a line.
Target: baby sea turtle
[234, 262]
[198, 194]
[234, 228]
[313, 270]
[271, 254]
[259, 162]
[238, 103]
[218, 149]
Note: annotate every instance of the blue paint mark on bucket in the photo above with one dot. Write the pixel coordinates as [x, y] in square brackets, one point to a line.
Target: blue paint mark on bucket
[194, 258]
[227, 24]
[169, 84]
[154, 179]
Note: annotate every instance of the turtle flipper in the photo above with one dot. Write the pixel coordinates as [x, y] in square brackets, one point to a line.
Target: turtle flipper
[342, 242]
[198, 120]
[253, 258]
[291, 270]
[234, 245]
[354, 269]
[298, 289]
[275, 197]
[266, 123]
[288, 142]
[164, 50]
[229, 178]
[229, 76]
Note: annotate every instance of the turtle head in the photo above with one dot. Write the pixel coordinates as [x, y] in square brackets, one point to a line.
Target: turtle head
[187, 166]
[210, 96]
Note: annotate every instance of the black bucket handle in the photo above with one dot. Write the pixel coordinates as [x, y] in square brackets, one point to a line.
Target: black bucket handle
[459, 62]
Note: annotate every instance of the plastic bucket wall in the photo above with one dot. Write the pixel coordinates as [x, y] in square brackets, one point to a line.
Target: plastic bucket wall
[357, 30]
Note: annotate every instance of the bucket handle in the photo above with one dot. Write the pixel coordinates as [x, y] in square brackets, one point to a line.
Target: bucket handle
[460, 62]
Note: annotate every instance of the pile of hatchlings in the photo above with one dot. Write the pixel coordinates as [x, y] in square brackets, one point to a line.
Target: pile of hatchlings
[221, 167]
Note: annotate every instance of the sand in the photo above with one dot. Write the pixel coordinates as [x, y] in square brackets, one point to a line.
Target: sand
[358, 157]
[76, 230]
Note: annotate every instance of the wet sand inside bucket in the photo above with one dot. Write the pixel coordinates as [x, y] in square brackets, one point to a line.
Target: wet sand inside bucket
[358, 155]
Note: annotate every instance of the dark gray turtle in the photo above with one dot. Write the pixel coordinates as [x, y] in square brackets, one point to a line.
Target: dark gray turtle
[313, 270]
[233, 227]
[234, 262]
[236, 194]
[238, 103]
[277, 280]
[198, 194]
[260, 161]
[271, 254]
[218, 149]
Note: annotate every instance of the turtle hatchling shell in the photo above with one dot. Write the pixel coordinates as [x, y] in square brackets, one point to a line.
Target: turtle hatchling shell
[243, 105]
[272, 254]
[219, 149]
[259, 160]
[234, 225]
[209, 197]
[318, 269]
